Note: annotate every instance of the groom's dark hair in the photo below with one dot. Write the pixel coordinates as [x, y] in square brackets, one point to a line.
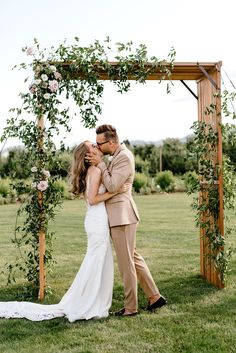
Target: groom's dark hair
[109, 132]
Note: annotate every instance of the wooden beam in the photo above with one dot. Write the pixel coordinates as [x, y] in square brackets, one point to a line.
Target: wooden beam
[180, 71]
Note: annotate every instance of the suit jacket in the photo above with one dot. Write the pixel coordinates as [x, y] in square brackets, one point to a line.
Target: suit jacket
[121, 208]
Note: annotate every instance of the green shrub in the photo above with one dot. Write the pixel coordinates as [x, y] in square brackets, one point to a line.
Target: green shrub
[179, 184]
[140, 181]
[5, 188]
[146, 190]
[166, 180]
[63, 186]
[191, 182]
[61, 164]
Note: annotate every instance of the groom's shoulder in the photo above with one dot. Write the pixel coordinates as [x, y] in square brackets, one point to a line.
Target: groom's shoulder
[124, 152]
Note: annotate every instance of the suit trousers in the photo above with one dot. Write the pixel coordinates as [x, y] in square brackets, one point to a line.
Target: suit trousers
[131, 265]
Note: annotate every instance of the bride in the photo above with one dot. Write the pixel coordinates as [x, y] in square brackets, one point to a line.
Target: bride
[90, 294]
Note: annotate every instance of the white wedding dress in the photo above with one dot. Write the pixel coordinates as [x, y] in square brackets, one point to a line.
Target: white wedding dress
[90, 294]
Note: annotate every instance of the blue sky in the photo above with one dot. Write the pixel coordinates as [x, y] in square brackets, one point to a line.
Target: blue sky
[199, 31]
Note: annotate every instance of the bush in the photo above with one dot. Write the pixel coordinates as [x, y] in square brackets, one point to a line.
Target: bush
[5, 188]
[140, 182]
[145, 190]
[166, 180]
[191, 182]
[63, 186]
[61, 164]
[180, 184]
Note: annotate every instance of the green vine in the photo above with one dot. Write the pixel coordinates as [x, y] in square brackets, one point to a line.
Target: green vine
[206, 204]
[51, 84]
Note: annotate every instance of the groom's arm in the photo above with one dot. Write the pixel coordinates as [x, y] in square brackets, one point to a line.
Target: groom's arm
[121, 171]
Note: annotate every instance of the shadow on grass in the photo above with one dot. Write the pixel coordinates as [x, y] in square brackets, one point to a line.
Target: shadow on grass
[177, 290]
[186, 289]
[18, 292]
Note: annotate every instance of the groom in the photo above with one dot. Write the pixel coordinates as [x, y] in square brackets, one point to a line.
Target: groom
[123, 219]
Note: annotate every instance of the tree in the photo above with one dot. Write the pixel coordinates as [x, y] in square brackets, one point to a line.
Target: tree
[174, 156]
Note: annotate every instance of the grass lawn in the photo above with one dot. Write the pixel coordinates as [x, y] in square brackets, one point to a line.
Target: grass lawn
[198, 317]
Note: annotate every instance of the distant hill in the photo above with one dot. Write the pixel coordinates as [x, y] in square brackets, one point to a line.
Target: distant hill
[143, 142]
[5, 151]
[159, 142]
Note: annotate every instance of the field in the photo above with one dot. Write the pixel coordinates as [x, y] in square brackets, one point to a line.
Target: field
[198, 317]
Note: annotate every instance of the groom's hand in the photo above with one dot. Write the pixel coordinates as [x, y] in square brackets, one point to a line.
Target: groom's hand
[95, 157]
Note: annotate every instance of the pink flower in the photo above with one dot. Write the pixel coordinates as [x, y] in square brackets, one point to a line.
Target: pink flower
[42, 185]
[32, 89]
[30, 51]
[53, 85]
[57, 75]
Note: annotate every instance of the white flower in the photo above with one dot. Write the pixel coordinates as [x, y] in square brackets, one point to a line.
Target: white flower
[34, 169]
[46, 96]
[33, 185]
[46, 173]
[53, 68]
[30, 51]
[44, 77]
[38, 81]
[42, 185]
[53, 85]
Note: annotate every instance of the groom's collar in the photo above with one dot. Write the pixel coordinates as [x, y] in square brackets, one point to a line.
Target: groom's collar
[119, 148]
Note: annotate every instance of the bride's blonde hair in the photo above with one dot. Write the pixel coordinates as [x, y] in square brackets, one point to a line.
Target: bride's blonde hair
[79, 169]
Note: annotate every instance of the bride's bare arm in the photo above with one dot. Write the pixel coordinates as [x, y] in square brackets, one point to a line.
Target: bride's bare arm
[93, 183]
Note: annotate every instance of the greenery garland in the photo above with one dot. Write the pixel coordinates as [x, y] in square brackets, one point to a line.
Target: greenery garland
[49, 85]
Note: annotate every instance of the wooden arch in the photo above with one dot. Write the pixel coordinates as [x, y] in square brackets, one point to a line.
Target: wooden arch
[208, 78]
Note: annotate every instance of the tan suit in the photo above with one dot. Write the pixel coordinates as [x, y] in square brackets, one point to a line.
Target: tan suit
[123, 218]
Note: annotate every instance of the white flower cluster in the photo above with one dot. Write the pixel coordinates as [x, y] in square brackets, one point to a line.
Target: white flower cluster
[45, 83]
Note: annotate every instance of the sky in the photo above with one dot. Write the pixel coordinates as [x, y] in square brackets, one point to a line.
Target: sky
[202, 31]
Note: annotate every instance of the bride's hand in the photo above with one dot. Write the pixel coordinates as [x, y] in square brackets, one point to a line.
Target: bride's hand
[94, 157]
[124, 188]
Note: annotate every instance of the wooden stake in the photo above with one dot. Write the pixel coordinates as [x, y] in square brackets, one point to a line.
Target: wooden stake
[42, 247]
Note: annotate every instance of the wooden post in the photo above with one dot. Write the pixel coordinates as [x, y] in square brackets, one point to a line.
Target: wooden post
[42, 275]
[218, 282]
[209, 94]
